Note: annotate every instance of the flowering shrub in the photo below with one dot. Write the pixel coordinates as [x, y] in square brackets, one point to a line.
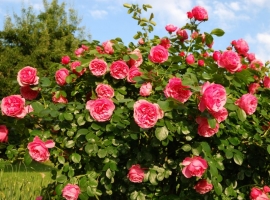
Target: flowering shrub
[167, 118]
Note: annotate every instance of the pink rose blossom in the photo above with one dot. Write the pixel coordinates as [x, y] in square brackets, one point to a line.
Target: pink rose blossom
[104, 91]
[158, 54]
[61, 75]
[266, 82]
[65, 60]
[98, 67]
[177, 90]
[182, 54]
[78, 52]
[119, 69]
[213, 97]
[146, 89]
[107, 46]
[100, 109]
[247, 102]
[165, 42]
[203, 186]
[190, 59]
[137, 62]
[257, 194]
[194, 35]
[266, 189]
[201, 63]
[147, 114]
[71, 192]
[182, 34]
[133, 72]
[170, 28]
[3, 133]
[256, 64]
[27, 76]
[38, 150]
[216, 55]
[221, 115]
[251, 57]
[205, 54]
[85, 47]
[241, 46]
[141, 42]
[230, 60]
[74, 66]
[195, 166]
[204, 129]
[252, 88]
[39, 198]
[199, 13]
[136, 174]
[28, 93]
[189, 15]
[60, 99]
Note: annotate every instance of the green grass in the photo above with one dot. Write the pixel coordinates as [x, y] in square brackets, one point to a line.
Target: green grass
[21, 182]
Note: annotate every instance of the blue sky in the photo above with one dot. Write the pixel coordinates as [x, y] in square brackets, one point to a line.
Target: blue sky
[108, 19]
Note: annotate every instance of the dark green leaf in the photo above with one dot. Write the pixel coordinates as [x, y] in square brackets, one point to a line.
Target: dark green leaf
[218, 32]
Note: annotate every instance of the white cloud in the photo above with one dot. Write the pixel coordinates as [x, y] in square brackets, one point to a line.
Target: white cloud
[262, 43]
[235, 6]
[99, 14]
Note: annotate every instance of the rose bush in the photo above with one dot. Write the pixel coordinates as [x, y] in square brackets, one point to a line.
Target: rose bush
[147, 120]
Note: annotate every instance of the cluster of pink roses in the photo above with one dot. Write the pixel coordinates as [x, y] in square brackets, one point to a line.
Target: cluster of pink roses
[259, 194]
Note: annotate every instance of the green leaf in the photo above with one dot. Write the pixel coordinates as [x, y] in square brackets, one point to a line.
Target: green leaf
[206, 148]
[186, 147]
[218, 32]
[241, 114]
[152, 177]
[268, 149]
[217, 187]
[37, 106]
[61, 178]
[45, 82]
[161, 133]
[141, 196]
[127, 5]
[211, 122]
[238, 158]
[61, 159]
[76, 158]
[109, 173]
[70, 144]
[68, 116]
[27, 158]
[165, 105]
[102, 153]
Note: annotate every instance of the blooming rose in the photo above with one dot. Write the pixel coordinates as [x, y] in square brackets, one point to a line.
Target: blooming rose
[247, 102]
[257, 194]
[3, 133]
[74, 66]
[199, 13]
[28, 93]
[266, 82]
[119, 69]
[216, 55]
[137, 62]
[39, 198]
[133, 72]
[252, 88]
[14, 106]
[190, 59]
[176, 90]
[71, 192]
[213, 97]
[221, 115]
[136, 174]
[189, 15]
[158, 54]
[85, 47]
[251, 57]
[98, 67]
[201, 63]
[203, 186]
[147, 114]
[146, 89]
[61, 75]
[104, 91]
[27, 76]
[79, 51]
[230, 60]
[65, 60]
[204, 129]
[38, 150]
[241, 46]
[165, 42]
[256, 64]
[170, 28]
[100, 109]
[107, 46]
[182, 34]
[195, 166]
[266, 189]
[60, 99]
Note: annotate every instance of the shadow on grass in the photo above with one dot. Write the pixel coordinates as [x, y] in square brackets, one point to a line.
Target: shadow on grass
[33, 167]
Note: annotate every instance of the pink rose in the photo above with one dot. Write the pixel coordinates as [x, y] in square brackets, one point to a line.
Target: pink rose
[60, 99]
[14, 106]
[213, 97]
[247, 102]
[194, 35]
[39, 198]
[71, 192]
[190, 59]
[78, 52]
[177, 90]
[257, 194]
[141, 42]
[182, 54]
[199, 13]
[98, 67]
[204, 129]
[251, 57]
[136, 174]
[165, 42]
[133, 72]
[158, 54]
[3, 133]
[256, 64]
[146, 89]
[221, 115]
[65, 60]
[85, 47]
[203, 186]
[27, 76]
[38, 150]
[147, 114]
[137, 62]
[195, 166]
[28, 93]
[107, 46]
[100, 109]
[252, 88]
[61, 75]
[119, 69]
[266, 82]
[182, 34]
[241, 46]
[74, 66]
[201, 63]
[216, 55]
[170, 28]
[104, 91]
[189, 15]
[230, 60]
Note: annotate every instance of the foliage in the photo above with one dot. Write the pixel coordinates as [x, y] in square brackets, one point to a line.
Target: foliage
[97, 155]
